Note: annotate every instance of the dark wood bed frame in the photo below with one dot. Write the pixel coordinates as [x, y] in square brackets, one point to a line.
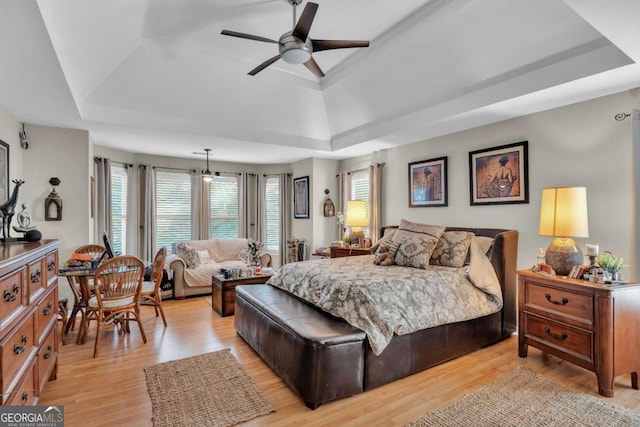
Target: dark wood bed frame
[322, 358]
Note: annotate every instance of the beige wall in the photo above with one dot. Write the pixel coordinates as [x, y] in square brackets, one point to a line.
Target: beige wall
[580, 144]
[577, 145]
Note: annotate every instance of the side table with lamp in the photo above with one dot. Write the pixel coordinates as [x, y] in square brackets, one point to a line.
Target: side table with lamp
[592, 325]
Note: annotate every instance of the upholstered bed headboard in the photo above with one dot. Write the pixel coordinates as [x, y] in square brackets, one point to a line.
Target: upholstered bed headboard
[504, 258]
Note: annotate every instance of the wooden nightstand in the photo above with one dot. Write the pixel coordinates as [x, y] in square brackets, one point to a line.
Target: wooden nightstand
[340, 252]
[591, 325]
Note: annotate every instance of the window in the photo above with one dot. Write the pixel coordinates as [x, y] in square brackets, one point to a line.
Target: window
[173, 208]
[360, 189]
[119, 208]
[223, 195]
[272, 207]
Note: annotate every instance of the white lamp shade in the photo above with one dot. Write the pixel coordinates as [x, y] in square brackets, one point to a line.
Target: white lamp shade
[356, 214]
[563, 212]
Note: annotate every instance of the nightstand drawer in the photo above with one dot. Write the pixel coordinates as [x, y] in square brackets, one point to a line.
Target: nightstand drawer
[561, 302]
[567, 339]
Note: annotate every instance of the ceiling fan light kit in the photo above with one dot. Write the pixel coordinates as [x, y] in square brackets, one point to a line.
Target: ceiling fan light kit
[295, 46]
[207, 176]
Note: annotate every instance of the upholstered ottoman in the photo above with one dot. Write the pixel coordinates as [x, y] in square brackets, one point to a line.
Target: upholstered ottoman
[319, 357]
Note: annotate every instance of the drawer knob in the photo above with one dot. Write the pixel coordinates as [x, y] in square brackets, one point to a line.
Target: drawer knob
[25, 397]
[51, 266]
[11, 296]
[35, 277]
[564, 301]
[17, 349]
[47, 309]
[563, 336]
[47, 355]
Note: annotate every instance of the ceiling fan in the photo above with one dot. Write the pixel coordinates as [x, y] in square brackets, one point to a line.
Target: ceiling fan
[295, 46]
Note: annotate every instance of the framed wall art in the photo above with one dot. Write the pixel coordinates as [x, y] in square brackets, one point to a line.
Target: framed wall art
[499, 175]
[428, 183]
[4, 171]
[301, 197]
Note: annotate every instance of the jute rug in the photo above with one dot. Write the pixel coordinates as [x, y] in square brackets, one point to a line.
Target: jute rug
[524, 399]
[211, 389]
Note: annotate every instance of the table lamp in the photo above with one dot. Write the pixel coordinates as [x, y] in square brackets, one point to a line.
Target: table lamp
[356, 219]
[563, 215]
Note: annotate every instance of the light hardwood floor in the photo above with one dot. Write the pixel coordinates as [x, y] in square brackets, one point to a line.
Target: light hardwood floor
[111, 390]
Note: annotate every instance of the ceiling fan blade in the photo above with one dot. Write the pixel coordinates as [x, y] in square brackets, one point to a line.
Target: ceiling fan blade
[313, 66]
[303, 26]
[264, 65]
[247, 36]
[319, 45]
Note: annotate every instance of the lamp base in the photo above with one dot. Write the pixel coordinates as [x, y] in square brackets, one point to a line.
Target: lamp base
[356, 236]
[563, 254]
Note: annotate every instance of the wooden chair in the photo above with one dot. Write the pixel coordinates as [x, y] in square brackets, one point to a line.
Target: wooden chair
[151, 293]
[96, 252]
[118, 287]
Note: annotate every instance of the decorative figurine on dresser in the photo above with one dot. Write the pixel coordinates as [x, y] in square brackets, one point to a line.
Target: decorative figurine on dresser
[7, 210]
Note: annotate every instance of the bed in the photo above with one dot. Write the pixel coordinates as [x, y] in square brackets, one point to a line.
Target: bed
[324, 357]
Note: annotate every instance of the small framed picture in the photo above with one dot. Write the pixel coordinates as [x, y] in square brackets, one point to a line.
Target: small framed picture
[428, 183]
[499, 175]
[301, 197]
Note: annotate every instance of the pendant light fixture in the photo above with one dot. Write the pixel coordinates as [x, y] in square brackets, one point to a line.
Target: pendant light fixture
[207, 175]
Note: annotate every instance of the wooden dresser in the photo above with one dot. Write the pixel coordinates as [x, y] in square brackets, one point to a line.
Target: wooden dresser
[28, 319]
[591, 325]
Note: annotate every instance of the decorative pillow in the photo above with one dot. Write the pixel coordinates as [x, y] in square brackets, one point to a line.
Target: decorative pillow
[386, 239]
[484, 243]
[250, 251]
[204, 256]
[414, 249]
[452, 249]
[432, 230]
[188, 254]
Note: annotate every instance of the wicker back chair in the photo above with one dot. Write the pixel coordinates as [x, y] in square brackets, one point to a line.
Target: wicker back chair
[151, 294]
[78, 302]
[117, 295]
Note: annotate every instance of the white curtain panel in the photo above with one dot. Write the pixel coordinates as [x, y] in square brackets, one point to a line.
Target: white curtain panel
[375, 200]
[133, 211]
[245, 213]
[149, 219]
[286, 214]
[199, 208]
[102, 222]
[635, 194]
[261, 209]
[344, 194]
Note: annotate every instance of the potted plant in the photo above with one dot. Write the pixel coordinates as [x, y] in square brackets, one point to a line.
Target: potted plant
[611, 265]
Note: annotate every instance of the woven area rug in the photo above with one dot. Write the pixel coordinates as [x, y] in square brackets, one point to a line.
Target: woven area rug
[524, 399]
[211, 389]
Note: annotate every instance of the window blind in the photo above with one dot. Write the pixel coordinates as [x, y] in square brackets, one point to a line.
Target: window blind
[223, 193]
[272, 207]
[119, 208]
[173, 208]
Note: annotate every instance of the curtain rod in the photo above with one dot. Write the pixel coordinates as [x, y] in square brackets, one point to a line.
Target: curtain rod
[99, 159]
[170, 168]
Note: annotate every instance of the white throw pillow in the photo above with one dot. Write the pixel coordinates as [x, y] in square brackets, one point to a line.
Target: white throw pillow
[204, 256]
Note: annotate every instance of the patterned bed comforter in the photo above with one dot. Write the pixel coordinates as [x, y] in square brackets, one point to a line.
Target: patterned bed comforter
[382, 301]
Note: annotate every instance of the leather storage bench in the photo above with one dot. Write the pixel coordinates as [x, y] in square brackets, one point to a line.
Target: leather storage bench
[319, 357]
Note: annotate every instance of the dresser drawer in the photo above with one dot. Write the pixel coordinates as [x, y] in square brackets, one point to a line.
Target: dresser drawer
[51, 266]
[46, 314]
[567, 339]
[16, 349]
[47, 357]
[13, 301]
[36, 279]
[25, 391]
[571, 306]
